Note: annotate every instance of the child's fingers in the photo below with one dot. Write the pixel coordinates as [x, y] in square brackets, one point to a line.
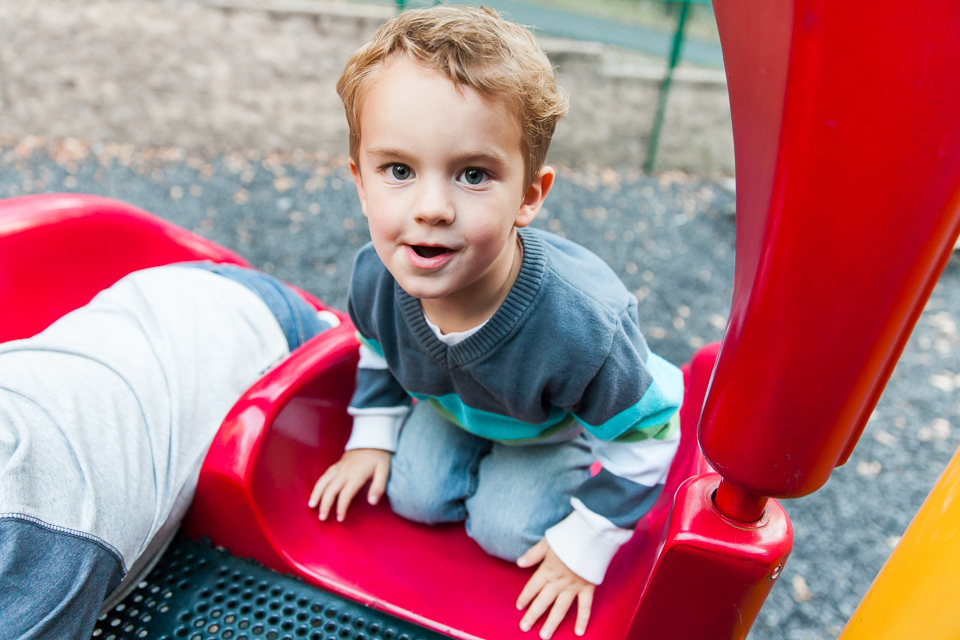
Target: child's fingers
[330, 493]
[539, 606]
[584, 604]
[347, 493]
[318, 488]
[314, 498]
[534, 554]
[530, 590]
[379, 483]
[560, 607]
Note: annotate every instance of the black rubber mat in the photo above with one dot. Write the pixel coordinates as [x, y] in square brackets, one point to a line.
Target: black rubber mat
[197, 592]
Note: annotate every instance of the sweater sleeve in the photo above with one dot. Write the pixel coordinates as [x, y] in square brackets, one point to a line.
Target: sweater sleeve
[379, 404]
[629, 412]
[608, 505]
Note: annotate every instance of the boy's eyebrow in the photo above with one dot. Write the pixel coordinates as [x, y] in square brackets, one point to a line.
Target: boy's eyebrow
[488, 156]
[386, 151]
[461, 158]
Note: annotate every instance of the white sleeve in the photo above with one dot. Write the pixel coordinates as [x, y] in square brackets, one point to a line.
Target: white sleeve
[375, 427]
[607, 506]
[586, 542]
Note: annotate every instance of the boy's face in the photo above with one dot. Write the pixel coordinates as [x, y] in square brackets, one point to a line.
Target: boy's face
[440, 174]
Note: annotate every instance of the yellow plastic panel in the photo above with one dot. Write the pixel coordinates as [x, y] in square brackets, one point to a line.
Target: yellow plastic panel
[917, 593]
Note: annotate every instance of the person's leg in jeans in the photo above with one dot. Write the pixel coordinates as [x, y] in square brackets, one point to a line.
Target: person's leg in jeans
[522, 492]
[105, 419]
[508, 495]
[434, 470]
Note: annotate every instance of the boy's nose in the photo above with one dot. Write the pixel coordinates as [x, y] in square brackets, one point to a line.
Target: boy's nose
[434, 205]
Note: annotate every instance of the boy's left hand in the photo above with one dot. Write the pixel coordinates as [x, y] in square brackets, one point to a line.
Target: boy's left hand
[552, 584]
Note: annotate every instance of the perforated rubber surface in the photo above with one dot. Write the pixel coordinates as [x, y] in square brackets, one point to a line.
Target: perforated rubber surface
[197, 592]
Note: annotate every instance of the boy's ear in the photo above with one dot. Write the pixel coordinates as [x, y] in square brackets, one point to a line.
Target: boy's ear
[534, 196]
[358, 180]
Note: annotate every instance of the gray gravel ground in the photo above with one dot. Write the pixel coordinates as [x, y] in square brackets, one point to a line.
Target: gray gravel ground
[671, 239]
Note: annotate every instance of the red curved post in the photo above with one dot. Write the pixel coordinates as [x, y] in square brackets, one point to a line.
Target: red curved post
[846, 124]
[846, 119]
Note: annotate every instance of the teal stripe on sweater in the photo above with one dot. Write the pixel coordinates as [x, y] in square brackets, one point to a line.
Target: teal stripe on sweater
[493, 425]
[653, 416]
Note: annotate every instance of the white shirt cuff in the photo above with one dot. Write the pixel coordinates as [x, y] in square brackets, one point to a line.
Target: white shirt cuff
[375, 431]
[586, 542]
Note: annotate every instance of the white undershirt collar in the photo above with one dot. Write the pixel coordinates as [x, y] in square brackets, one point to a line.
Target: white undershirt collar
[454, 337]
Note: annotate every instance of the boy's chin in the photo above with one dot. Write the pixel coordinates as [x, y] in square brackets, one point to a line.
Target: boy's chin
[423, 293]
[427, 289]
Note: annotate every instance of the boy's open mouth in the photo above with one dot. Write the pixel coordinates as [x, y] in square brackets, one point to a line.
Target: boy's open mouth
[428, 252]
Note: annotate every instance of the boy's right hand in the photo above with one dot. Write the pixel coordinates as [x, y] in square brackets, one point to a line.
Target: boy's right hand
[343, 480]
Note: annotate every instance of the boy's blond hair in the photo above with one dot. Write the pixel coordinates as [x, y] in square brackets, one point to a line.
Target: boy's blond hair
[472, 46]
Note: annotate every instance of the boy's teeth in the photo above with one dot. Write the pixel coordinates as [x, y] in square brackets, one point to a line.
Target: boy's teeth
[429, 252]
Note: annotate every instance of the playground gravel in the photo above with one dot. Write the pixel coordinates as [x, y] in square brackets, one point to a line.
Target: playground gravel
[670, 237]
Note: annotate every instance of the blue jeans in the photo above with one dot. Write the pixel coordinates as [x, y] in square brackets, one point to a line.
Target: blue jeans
[508, 495]
[297, 318]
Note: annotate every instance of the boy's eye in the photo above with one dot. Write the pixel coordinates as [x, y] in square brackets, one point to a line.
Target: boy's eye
[400, 171]
[473, 176]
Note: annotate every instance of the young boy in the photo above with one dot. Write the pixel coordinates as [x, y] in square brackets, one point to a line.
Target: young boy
[522, 348]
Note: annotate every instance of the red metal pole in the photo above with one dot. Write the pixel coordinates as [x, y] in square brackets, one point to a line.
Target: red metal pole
[738, 504]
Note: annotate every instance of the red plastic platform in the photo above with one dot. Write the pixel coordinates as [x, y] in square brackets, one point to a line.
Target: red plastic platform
[292, 424]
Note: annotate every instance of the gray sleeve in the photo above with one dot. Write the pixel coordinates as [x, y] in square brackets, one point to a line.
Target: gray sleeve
[52, 581]
[366, 286]
[377, 388]
[634, 393]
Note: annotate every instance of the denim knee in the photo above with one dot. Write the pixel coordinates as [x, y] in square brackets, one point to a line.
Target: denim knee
[503, 539]
[434, 468]
[505, 527]
[419, 499]
[522, 492]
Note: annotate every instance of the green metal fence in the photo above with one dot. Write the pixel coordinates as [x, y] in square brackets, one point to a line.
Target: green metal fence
[675, 49]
